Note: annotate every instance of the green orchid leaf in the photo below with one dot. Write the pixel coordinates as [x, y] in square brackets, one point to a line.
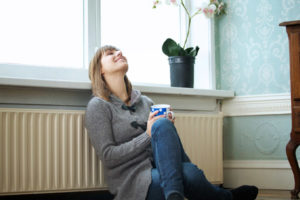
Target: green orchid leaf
[175, 50]
[188, 50]
[197, 49]
[194, 52]
[170, 47]
[182, 52]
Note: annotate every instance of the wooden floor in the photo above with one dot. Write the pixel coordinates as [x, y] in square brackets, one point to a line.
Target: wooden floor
[102, 195]
[273, 195]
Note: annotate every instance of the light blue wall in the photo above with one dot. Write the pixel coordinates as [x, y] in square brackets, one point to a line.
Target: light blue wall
[256, 138]
[252, 49]
[252, 58]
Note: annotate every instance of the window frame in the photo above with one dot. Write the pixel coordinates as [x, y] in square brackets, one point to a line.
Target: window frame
[211, 40]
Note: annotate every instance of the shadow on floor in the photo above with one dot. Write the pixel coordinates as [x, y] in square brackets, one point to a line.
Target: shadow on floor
[91, 195]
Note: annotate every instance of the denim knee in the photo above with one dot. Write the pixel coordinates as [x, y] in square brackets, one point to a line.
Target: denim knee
[162, 124]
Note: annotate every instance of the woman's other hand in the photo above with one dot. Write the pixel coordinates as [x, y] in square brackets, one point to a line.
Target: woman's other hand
[152, 118]
[170, 116]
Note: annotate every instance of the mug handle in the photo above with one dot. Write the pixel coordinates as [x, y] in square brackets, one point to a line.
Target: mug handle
[172, 114]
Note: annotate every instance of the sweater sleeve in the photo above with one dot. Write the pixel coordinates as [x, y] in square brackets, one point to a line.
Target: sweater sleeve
[99, 126]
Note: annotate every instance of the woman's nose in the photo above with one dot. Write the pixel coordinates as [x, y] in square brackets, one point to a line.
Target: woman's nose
[119, 53]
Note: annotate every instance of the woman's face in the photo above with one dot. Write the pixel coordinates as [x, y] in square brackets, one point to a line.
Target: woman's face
[113, 62]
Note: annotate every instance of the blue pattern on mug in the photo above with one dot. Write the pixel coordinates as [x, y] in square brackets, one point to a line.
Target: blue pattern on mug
[162, 111]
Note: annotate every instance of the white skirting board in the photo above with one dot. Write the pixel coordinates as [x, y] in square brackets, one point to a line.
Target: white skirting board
[265, 174]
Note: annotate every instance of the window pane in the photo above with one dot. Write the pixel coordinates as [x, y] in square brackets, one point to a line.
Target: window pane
[139, 31]
[201, 37]
[42, 32]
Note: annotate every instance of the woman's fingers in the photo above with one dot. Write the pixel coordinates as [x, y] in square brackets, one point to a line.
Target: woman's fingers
[157, 117]
[152, 114]
[173, 120]
[152, 118]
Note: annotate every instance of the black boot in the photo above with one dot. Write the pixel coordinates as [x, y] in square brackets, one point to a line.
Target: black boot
[244, 192]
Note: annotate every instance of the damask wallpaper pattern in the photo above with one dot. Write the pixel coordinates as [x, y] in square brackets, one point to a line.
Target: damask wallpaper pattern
[256, 138]
[252, 49]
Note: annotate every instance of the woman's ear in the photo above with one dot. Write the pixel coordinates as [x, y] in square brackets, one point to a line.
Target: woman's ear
[101, 72]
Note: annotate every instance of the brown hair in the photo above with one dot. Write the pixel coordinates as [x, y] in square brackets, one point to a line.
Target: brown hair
[99, 85]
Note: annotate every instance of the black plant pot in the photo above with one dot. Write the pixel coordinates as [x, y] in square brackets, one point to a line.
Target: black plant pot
[182, 71]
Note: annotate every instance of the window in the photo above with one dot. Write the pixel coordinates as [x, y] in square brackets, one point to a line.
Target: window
[56, 39]
[201, 34]
[42, 33]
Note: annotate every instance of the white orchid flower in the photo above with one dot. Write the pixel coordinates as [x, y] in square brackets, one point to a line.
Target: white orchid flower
[209, 12]
[212, 7]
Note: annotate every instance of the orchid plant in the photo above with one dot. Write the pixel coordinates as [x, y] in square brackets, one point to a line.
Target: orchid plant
[210, 8]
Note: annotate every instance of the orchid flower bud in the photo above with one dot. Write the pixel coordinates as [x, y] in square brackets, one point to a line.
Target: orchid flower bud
[155, 3]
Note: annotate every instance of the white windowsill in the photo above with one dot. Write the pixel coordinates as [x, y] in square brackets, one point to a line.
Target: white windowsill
[218, 94]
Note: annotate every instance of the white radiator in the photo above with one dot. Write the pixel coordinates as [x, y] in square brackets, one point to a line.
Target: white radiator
[49, 150]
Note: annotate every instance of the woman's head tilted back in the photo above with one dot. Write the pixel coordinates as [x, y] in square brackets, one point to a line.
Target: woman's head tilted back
[100, 87]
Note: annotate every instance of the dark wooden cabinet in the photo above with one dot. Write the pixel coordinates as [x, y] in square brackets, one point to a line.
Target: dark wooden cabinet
[293, 31]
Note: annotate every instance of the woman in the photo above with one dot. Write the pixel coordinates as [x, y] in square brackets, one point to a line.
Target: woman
[142, 154]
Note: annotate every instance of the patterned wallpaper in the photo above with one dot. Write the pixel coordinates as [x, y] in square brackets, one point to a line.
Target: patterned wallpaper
[257, 137]
[252, 49]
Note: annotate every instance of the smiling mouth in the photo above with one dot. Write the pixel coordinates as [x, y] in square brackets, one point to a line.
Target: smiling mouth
[122, 59]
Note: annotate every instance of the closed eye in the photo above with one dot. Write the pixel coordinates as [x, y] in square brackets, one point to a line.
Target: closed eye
[109, 52]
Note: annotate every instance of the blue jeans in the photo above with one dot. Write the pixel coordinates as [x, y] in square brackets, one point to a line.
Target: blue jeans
[173, 171]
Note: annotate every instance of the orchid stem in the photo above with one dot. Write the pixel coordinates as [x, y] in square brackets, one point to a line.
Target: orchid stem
[189, 24]
[188, 32]
[190, 21]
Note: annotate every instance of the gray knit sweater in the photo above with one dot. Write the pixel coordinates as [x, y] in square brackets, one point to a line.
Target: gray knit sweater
[125, 150]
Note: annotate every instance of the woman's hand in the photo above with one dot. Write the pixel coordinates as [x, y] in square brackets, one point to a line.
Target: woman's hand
[170, 116]
[152, 118]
